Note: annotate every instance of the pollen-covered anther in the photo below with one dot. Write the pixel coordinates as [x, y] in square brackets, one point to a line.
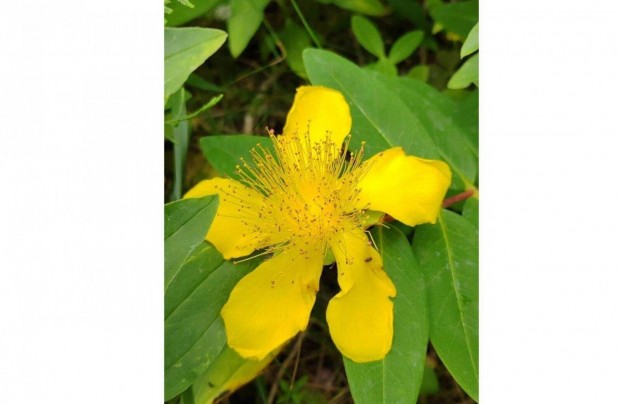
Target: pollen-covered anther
[309, 190]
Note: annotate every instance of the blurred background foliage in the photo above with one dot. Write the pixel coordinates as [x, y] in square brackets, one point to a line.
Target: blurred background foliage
[239, 77]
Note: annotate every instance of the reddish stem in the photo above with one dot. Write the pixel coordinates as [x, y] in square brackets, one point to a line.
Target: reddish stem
[457, 198]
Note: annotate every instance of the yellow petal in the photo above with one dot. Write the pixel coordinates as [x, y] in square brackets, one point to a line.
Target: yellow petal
[319, 110]
[408, 188]
[229, 232]
[360, 317]
[272, 303]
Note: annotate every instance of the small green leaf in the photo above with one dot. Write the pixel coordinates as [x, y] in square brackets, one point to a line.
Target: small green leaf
[186, 224]
[225, 152]
[295, 39]
[245, 19]
[368, 7]
[470, 210]
[184, 50]
[194, 333]
[367, 35]
[448, 255]
[471, 42]
[458, 17]
[210, 104]
[181, 14]
[383, 66]
[465, 75]
[419, 72]
[227, 372]
[405, 46]
[396, 378]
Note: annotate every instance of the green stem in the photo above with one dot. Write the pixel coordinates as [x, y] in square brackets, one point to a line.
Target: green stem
[303, 20]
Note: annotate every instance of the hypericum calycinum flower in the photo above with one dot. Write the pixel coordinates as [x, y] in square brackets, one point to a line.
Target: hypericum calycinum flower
[299, 202]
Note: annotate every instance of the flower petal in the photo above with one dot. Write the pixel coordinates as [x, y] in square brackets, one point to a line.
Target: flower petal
[319, 110]
[272, 303]
[408, 188]
[360, 317]
[229, 232]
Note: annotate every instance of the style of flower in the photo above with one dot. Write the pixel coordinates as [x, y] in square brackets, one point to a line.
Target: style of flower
[298, 202]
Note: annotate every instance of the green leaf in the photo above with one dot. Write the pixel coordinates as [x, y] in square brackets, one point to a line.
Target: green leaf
[186, 224]
[193, 328]
[184, 50]
[405, 46]
[401, 112]
[470, 210]
[448, 255]
[383, 66]
[396, 378]
[224, 152]
[471, 43]
[182, 14]
[295, 39]
[419, 72]
[180, 133]
[379, 118]
[227, 372]
[433, 112]
[210, 104]
[245, 19]
[368, 7]
[367, 35]
[458, 17]
[465, 75]
[466, 115]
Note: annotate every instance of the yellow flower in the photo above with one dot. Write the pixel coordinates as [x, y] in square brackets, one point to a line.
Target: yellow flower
[301, 201]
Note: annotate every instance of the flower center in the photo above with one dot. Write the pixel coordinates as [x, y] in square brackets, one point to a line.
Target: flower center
[308, 192]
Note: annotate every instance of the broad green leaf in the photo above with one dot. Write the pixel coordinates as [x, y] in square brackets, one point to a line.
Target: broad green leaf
[466, 115]
[225, 152]
[459, 17]
[379, 118]
[396, 378]
[470, 210]
[465, 75]
[295, 39]
[434, 113]
[448, 255]
[419, 72]
[227, 372]
[405, 46]
[383, 66]
[367, 35]
[182, 14]
[368, 7]
[186, 224]
[401, 112]
[184, 50]
[471, 42]
[245, 19]
[193, 329]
